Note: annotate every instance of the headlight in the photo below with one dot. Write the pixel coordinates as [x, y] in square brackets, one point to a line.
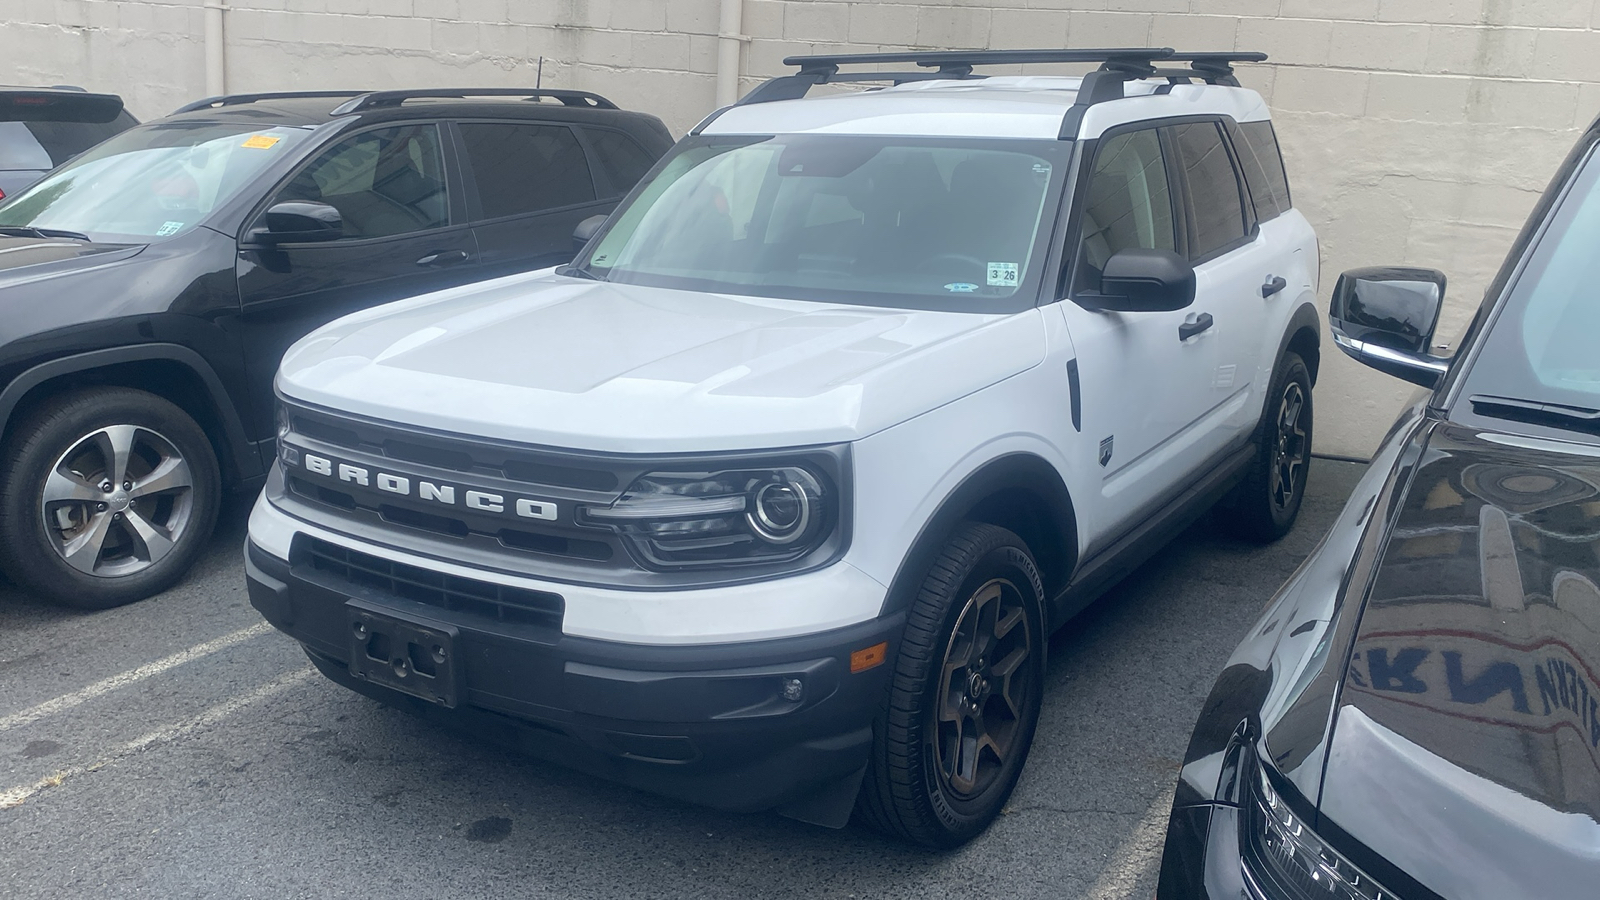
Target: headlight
[1290, 860]
[288, 454]
[737, 517]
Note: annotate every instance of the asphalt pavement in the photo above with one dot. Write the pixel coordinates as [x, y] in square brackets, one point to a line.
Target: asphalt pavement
[180, 748]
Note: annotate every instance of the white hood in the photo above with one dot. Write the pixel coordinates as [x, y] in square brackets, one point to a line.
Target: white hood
[562, 362]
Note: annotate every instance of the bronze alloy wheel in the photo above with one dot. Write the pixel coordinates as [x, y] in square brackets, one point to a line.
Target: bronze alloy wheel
[117, 501]
[1292, 450]
[981, 697]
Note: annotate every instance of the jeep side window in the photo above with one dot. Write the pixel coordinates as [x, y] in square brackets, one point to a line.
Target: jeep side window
[619, 157]
[383, 182]
[526, 168]
[1128, 203]
[1216, 211]
[1257, 146]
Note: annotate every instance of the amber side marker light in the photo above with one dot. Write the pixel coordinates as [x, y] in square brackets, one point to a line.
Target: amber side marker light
[868, 658]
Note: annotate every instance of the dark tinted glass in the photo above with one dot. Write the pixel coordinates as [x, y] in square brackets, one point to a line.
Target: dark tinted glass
[526, 168]
[1263, 169]
[383, 182]
[19, 149]
[64, 140]
[1129, 203]
[620, 157]
[1216, 213]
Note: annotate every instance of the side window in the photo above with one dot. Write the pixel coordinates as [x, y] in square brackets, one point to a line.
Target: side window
[1216, 212]
[1128, 203]
[526, 168]
[383, 182]
[1257, 146]
[620, 157]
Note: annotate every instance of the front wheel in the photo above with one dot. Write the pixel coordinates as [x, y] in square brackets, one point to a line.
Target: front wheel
[110, 494]
[1266, 503]
[952, 739]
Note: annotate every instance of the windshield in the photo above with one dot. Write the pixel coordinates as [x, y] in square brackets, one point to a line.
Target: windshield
[1542, 348]
[153, 181]
[868, 220]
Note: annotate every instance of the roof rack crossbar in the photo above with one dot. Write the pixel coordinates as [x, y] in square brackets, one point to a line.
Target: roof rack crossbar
[236, 99]
[583, 99]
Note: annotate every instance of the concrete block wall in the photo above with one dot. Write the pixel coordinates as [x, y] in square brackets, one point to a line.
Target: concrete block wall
[1416, 131]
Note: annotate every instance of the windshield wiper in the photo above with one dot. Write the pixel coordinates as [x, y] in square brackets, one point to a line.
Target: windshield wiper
[1558, 415]
[28, 231]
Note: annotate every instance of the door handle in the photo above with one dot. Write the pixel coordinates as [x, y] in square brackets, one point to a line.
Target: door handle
[1201, 323]
[443, 258]
[1274, 285]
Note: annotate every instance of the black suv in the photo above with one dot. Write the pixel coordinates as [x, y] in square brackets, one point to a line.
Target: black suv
[149, 288]
[41, 128]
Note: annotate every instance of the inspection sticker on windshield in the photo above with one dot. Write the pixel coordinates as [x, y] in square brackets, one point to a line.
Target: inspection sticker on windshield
[1002, 274]
[260, 142]
[169, 228]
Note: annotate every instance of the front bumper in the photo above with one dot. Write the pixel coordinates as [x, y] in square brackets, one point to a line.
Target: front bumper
[705, 723]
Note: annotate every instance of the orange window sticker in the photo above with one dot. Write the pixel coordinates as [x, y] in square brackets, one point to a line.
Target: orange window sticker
[260, 141]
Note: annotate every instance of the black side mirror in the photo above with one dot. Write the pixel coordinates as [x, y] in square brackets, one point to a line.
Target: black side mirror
[586, 229]
[1140, 280]
[300, 221]
[1385, 318]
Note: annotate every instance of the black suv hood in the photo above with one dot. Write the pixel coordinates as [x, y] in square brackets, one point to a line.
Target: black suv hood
[1466, 747]
[29, 258]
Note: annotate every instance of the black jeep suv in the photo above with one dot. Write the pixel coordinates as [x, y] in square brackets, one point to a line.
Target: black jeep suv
[149, 287]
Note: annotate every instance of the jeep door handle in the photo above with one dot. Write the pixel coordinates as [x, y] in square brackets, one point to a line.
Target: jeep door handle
[1274, 285]
[1201, 323]
[443, 258]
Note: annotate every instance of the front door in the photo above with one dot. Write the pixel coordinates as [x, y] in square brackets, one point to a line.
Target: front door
[1141, 380]
[404, 234]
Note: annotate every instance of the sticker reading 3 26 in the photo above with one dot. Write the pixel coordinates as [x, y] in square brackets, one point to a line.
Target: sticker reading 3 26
[1002, 274]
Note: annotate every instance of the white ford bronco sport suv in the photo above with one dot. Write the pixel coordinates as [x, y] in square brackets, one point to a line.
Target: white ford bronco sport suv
[773, 496]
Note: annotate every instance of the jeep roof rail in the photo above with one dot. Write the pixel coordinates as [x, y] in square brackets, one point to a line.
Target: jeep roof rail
[583, 99]
[237, 99]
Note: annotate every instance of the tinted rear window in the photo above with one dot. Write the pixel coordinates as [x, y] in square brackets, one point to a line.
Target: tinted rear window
[620, 158]
[1216, 212]
[45, 145]
[526, 168]
[1263, 169]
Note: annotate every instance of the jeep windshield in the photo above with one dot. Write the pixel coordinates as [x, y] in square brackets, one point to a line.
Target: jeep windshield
[149, 182]
[952, 224]
[1538, 361]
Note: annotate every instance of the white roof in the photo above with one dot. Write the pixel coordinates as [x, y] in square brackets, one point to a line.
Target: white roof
[1019, 106]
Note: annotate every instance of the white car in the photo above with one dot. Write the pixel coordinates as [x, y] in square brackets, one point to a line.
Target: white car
[773, 496]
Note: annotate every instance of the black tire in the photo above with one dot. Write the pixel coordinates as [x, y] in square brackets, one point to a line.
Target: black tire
[1264, 506]
[148, 532]
[912, 789]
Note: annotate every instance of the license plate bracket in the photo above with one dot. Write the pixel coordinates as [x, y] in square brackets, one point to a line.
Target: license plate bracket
[412, 655]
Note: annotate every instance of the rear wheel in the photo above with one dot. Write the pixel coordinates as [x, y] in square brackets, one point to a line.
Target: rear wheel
[1266, 503]
[109, 496]
[964, 702]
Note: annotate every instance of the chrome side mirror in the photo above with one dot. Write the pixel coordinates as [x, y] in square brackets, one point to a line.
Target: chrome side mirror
[1385, 318]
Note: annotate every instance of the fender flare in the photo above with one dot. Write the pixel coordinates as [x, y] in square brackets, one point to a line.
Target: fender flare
[1304, 318]
[245, 460]
[1020, 470]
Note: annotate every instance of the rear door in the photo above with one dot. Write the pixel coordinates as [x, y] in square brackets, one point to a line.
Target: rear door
[405, 233]
[533, 183]
[1233, 261]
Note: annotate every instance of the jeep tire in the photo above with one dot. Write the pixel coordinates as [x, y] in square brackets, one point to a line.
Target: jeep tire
[963, 703]
[109, 495]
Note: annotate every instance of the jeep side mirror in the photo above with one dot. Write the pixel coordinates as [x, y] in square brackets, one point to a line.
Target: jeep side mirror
[1385, 317]
[586, 229]
[1140, 280]
[300, 221]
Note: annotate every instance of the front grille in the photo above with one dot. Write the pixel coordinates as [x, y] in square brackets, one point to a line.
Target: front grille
[437, 589]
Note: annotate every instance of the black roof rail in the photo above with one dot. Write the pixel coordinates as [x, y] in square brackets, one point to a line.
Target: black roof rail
[583, 99]
[815, 70]
[237, 99]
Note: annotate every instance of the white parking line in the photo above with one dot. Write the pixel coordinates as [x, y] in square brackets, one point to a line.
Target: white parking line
[18, 795]
[1139, 851]
[105, 686]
